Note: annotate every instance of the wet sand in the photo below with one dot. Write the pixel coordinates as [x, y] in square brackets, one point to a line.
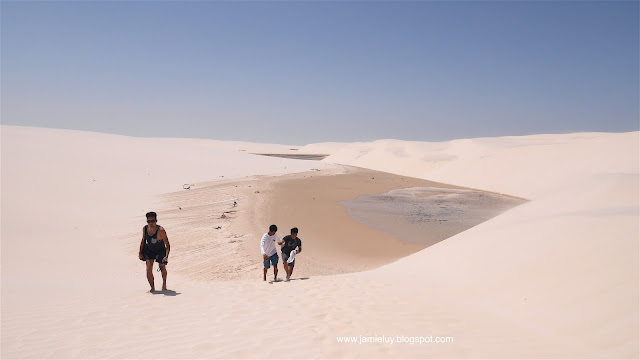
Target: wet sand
[350, 219]
[428, 215]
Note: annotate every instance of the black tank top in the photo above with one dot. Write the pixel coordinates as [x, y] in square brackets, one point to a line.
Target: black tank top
[153, 243]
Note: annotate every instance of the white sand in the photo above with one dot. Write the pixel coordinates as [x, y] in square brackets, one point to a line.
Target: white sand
[323, 148]
[564, 266]
[556, 277]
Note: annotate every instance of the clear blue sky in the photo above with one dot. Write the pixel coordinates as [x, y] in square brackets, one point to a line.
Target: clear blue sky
[304, 72]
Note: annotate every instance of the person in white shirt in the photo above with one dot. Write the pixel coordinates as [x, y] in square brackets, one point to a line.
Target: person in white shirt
[269, 251]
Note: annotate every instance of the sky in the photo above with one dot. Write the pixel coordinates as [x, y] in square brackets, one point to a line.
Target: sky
[306, 72]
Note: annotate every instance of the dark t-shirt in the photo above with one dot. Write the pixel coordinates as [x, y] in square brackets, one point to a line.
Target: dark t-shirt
[152, 243]
[290, 244]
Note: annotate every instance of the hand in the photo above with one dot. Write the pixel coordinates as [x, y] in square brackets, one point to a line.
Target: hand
[140, 256]
[265, 257]
[165, 259]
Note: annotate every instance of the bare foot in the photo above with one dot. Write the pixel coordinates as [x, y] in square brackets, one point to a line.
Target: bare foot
[152, 290]
[164, 288]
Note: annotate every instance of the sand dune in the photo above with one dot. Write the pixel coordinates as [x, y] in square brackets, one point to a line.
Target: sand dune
[323, 148]
[512, 165]
[556, 277]
[565, 265]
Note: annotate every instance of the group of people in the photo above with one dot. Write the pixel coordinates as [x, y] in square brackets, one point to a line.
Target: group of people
[291, 245]
[155, 247]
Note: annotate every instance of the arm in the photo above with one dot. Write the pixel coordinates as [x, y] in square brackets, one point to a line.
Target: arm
[279, 241]
[165, 238]
[264, 255]
[140, 256]
[299, 246]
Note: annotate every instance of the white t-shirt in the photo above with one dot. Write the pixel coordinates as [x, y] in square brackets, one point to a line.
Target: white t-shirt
[268, 244]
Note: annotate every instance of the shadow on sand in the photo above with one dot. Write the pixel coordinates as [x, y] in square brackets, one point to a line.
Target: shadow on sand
[166, 293]
[280, 280]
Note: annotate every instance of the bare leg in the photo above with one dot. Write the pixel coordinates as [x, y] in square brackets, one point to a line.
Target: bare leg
[150, 275]
[265, 275]
[163, 271]
[290, 270]
[286, 267]
[275, 272]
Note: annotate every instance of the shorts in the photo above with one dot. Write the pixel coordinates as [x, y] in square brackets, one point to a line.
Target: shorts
[273, 259]
[155, 255]
[285, 257]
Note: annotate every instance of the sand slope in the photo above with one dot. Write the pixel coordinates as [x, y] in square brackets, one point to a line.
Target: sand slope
[556, 277]
[564, 266]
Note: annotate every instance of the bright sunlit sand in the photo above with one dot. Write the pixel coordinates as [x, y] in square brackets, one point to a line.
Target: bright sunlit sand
[402, 240]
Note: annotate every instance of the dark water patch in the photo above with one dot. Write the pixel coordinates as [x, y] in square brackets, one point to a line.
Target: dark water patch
[427, 215]
[316, 157]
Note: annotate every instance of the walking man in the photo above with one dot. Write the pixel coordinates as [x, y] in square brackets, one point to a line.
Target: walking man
[292, 245]
[154, 247]
[269, 251]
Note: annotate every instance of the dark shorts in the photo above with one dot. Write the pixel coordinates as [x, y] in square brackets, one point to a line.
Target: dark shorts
[155, 255]
[285, 257]
[273, 259]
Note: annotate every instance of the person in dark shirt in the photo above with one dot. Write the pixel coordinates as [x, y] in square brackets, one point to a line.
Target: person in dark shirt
[154, 247]
[291, 242]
